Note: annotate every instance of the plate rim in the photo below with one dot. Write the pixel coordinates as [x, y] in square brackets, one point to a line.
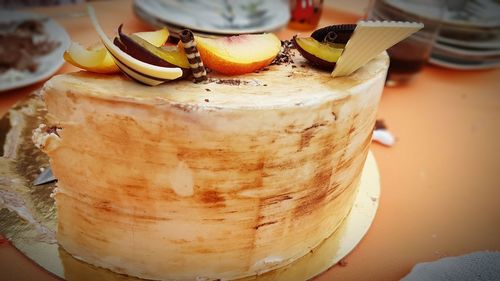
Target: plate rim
[472, 66]
[213, 31]
[483, 44]
[446, 20]
[473, 53]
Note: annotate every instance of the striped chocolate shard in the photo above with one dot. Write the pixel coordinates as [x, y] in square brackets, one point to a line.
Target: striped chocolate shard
[195, 62]
[144, 72]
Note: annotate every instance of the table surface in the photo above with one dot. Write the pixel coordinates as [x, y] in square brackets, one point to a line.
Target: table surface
[440, 181]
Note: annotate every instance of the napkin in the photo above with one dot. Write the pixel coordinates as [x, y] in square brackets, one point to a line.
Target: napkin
[477, 266]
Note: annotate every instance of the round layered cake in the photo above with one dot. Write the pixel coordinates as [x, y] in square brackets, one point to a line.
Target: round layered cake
[217, 180]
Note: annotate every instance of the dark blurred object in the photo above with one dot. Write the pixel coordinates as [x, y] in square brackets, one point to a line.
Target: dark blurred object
[305, 14]
[14, 4]
[409, 56]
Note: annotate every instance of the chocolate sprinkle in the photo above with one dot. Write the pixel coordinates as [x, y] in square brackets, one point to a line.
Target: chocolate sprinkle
[380, 125]
[285, 55]
[342, 263]
[233, 82]
[53, 130]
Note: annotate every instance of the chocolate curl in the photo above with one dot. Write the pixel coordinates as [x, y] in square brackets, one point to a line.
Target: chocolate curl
[330, 37]
[199, 72]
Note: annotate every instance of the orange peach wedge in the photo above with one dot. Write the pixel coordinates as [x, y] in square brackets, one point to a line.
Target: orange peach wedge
[156, 38]
[238, 54]
[94, 59]
[98, 59]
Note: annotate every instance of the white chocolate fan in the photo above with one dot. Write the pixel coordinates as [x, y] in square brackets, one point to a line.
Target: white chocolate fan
[368, 40]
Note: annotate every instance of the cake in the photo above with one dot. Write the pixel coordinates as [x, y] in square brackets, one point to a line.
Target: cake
[219, 180]
[243, 172]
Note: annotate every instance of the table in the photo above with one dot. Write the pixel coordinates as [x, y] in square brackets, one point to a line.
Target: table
[440, 182]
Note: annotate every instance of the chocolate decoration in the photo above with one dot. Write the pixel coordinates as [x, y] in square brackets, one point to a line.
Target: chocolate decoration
[193, 56]
[342, 33]
[135, 50]
[330, 37]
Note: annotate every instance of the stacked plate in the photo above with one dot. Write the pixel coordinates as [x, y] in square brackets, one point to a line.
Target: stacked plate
[218, 17]
[469, 36]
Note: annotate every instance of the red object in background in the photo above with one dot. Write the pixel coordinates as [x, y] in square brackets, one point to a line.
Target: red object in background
[3, 240]
[305, 14]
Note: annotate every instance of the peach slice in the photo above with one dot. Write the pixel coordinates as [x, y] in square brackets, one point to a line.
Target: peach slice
[322, 55]
[95, 59]
[238, 54]
[156, 38]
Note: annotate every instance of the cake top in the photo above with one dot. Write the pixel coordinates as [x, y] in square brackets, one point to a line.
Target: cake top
[278, 85]
[244, 71]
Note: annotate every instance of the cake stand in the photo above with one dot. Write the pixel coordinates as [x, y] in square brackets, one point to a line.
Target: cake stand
[28, 219]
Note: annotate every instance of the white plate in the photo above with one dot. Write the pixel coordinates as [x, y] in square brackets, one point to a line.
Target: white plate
[173, 29]
[493, 43]
[47, 64]
[464, 57]
[218, 16]
[465, 52]
[463, 65]
[450, 18]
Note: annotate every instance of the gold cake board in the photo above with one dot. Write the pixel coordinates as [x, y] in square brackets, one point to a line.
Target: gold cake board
[27, 215]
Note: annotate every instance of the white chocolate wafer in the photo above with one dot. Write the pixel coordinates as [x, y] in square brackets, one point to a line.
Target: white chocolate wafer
[369, 39]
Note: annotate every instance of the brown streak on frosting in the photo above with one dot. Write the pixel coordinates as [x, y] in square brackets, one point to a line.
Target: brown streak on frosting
[317, 196]
[308, 133]
[264, 224]
[211, 197]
